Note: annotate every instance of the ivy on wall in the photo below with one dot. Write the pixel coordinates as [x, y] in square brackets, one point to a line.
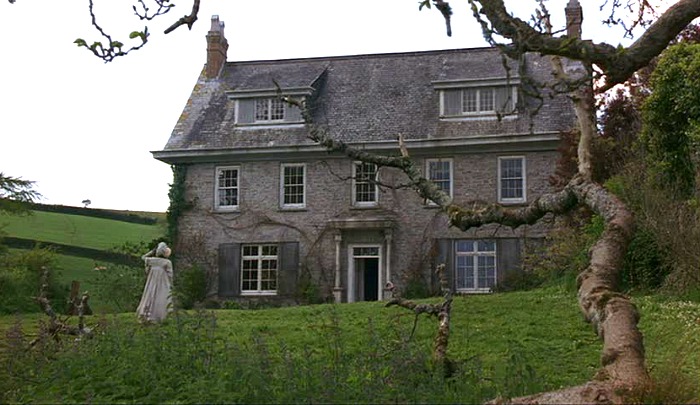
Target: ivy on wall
[178, 203]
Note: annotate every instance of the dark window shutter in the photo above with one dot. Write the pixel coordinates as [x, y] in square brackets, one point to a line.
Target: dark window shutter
[504, 99]
[452, 102]
[288, 268]
[508, 260]
[292, 113]
[446, 255]
[246, 111]
[229, 269]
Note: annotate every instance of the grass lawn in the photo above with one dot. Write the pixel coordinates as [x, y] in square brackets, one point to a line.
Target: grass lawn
[538, 338]
[82, 270]
[77, 230]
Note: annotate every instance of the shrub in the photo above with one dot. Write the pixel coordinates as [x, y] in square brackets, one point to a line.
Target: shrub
[119, 287]
[565, 251]
[190, 286]
[664, 250]
[20, 273]
[645, 266]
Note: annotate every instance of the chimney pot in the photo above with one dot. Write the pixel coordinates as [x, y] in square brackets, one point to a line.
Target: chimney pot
[217, 46]
[574, 18]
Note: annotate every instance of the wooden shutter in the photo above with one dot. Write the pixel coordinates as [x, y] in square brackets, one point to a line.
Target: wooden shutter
[452, 102]
[446, 255]
[246, 111]
[504, 99]
[508, 259]
[288, 268]
[229, 269]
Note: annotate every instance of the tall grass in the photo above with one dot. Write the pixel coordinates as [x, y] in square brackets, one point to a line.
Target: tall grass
[502, 345]
[188, 360]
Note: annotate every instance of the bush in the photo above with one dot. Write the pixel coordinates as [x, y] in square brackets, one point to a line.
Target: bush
[565, 251]
[20, 273]
[664, 250]
[190, 287]
[645, 266]
[119, 287]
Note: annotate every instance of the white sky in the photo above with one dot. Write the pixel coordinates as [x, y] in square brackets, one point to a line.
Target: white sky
[83, 129]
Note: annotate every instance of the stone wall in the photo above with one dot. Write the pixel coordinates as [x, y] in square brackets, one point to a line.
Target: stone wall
[416, 225]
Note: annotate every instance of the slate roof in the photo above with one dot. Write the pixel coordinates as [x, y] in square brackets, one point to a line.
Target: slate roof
[362, 98]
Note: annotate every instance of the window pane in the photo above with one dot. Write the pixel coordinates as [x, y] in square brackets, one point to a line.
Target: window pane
[293, 178]
[276, 109]
[262, 109]
[486, 101]
[486, 271]
[365, 252]
[465, 272]
[512, 178]
[227, 187]
[469, 100]
[475, 264]
[269, 250]
[486, 246]
[365, 186]
[465, 246]
[439, 173]
[452, 100]
[259, 268]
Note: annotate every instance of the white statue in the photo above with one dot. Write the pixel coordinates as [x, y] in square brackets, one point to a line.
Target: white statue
[156, 300]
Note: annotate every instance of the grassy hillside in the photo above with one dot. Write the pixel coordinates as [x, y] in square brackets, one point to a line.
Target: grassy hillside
[77, 230]
[505, 344]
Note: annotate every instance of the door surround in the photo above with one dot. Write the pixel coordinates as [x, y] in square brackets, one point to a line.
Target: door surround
[352, 276]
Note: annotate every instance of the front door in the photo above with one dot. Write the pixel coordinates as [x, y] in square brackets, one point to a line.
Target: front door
[364, 273]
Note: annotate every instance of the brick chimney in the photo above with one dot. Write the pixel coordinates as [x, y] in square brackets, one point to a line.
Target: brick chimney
[574, 18]
[216, 48]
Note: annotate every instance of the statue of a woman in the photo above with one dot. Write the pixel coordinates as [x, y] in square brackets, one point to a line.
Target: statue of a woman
[156, 301]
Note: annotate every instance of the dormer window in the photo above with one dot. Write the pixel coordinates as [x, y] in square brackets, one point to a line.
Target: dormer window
[465, 99]
[260, 108]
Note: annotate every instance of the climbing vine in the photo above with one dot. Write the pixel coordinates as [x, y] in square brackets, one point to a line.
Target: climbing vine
[178, 203]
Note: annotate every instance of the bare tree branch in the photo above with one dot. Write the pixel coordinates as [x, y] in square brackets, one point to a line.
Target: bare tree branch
[617, 64]
[112, 48]
[143, 11]
[188, 20]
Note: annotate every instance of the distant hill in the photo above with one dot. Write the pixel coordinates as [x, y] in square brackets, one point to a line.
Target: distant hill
[139, 217]
[78, 230]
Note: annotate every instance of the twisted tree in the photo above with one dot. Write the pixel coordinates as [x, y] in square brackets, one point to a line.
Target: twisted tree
[600, 67]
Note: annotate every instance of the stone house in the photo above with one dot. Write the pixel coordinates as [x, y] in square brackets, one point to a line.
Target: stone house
[285, 217]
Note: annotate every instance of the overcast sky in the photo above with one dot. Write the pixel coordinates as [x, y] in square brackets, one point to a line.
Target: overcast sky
[83, 129]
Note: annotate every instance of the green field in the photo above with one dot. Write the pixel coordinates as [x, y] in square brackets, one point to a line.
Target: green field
[77, 230]
[507, 343]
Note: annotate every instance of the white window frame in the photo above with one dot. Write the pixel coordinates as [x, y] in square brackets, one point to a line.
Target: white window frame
[269, 108]
[217, 189]
[354, 186]
[523, 168]
[475, 254]
[282, 186]
[479, 112]
[427, 173]
[259, 258]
